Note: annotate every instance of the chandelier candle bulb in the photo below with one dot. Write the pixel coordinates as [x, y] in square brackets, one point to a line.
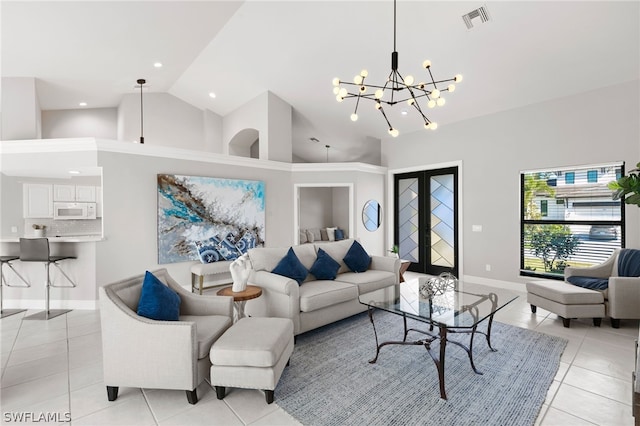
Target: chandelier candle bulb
[440, 101]
[435, 94]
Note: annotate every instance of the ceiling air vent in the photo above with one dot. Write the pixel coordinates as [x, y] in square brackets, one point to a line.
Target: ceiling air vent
[480, 12]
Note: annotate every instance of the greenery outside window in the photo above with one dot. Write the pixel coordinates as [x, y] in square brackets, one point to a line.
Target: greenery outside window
[569, 222]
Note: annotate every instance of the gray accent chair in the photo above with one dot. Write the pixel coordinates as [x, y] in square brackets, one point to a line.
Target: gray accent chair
[145, 353]
[622, 298]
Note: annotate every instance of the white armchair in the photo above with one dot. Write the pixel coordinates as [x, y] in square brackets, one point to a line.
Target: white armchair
[144, 353]
[622, 297]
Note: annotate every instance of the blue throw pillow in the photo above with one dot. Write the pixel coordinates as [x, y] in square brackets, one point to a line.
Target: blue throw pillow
[291, 267]
[357, 259]
[339, 234]
[589, 282]
[324, 268]
[157, 301]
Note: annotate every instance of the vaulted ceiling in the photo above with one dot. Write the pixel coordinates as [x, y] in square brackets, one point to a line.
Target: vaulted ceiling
[528, 52]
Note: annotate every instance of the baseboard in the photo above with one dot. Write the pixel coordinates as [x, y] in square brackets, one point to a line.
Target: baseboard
[507, 285]
[53, 304]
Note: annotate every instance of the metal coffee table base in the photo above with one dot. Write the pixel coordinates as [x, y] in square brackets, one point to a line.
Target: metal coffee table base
[443, 331]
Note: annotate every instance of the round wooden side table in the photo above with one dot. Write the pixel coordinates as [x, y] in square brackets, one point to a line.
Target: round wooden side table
[240, 298]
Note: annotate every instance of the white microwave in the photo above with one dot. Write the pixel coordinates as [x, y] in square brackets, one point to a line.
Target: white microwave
[67, 211]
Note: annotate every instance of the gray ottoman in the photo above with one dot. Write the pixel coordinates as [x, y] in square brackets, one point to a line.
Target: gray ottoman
[252, 354]
[566, 300]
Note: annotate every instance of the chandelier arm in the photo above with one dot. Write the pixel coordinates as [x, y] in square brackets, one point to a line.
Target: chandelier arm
[433, 81]
[443, 81]
[385, 118]
[368, 85]
[417, 107]
[355, 111]
[416, 97]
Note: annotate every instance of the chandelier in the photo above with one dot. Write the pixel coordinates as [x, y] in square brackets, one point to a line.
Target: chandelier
[397, 89]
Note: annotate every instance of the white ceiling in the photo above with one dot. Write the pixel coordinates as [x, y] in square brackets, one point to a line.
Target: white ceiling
[529, 52]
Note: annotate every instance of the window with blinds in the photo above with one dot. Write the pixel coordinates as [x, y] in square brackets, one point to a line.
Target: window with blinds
[569, 218]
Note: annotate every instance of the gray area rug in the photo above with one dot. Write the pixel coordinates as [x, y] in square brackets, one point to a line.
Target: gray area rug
[330, 382]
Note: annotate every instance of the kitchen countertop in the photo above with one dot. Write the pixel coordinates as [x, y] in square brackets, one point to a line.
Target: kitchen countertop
[59, 239]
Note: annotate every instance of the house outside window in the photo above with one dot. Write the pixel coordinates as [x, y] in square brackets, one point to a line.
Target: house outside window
[569, 222]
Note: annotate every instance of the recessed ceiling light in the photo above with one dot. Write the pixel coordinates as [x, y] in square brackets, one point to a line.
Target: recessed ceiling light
[404, 112]
[82, 104]
[212, 95]
[158, 64]
[74, 172]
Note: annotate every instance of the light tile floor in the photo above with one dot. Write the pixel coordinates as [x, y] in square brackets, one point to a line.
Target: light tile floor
[55, 367]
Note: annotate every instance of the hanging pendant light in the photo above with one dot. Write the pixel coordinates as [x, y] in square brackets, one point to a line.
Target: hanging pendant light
[141, 82]
[397, 89]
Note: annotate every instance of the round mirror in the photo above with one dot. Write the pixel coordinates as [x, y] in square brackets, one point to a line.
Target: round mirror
[371, 215]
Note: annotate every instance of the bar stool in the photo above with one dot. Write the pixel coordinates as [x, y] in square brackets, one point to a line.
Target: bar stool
[7, 260]
[37, 250]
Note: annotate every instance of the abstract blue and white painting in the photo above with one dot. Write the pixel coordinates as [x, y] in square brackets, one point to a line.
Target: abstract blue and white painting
[208, 219]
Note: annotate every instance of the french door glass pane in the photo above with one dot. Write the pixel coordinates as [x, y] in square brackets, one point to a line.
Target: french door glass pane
[408, 220]
[442, 221]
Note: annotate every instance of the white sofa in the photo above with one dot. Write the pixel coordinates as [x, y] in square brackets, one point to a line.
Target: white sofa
[315, 303]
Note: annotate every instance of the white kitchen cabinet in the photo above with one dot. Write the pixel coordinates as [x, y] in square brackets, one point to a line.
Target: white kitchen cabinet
[85, 194]
[37, 200]
[64, 193]
[98, 201]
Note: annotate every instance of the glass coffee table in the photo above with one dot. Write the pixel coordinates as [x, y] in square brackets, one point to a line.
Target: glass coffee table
[457, 307]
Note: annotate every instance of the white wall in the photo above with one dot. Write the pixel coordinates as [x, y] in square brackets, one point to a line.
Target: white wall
[212, 132]
[278, 140]
[316, 207]
[340, 216]
[577, 130]
[271, 117]
[168, 121]
[130, 205]
[368, 183]
[20, 109]
[371, 186]
[251, 115]
[80, 123]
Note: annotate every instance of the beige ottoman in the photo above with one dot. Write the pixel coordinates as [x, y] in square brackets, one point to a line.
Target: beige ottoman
[566, 300]
[252, 354]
